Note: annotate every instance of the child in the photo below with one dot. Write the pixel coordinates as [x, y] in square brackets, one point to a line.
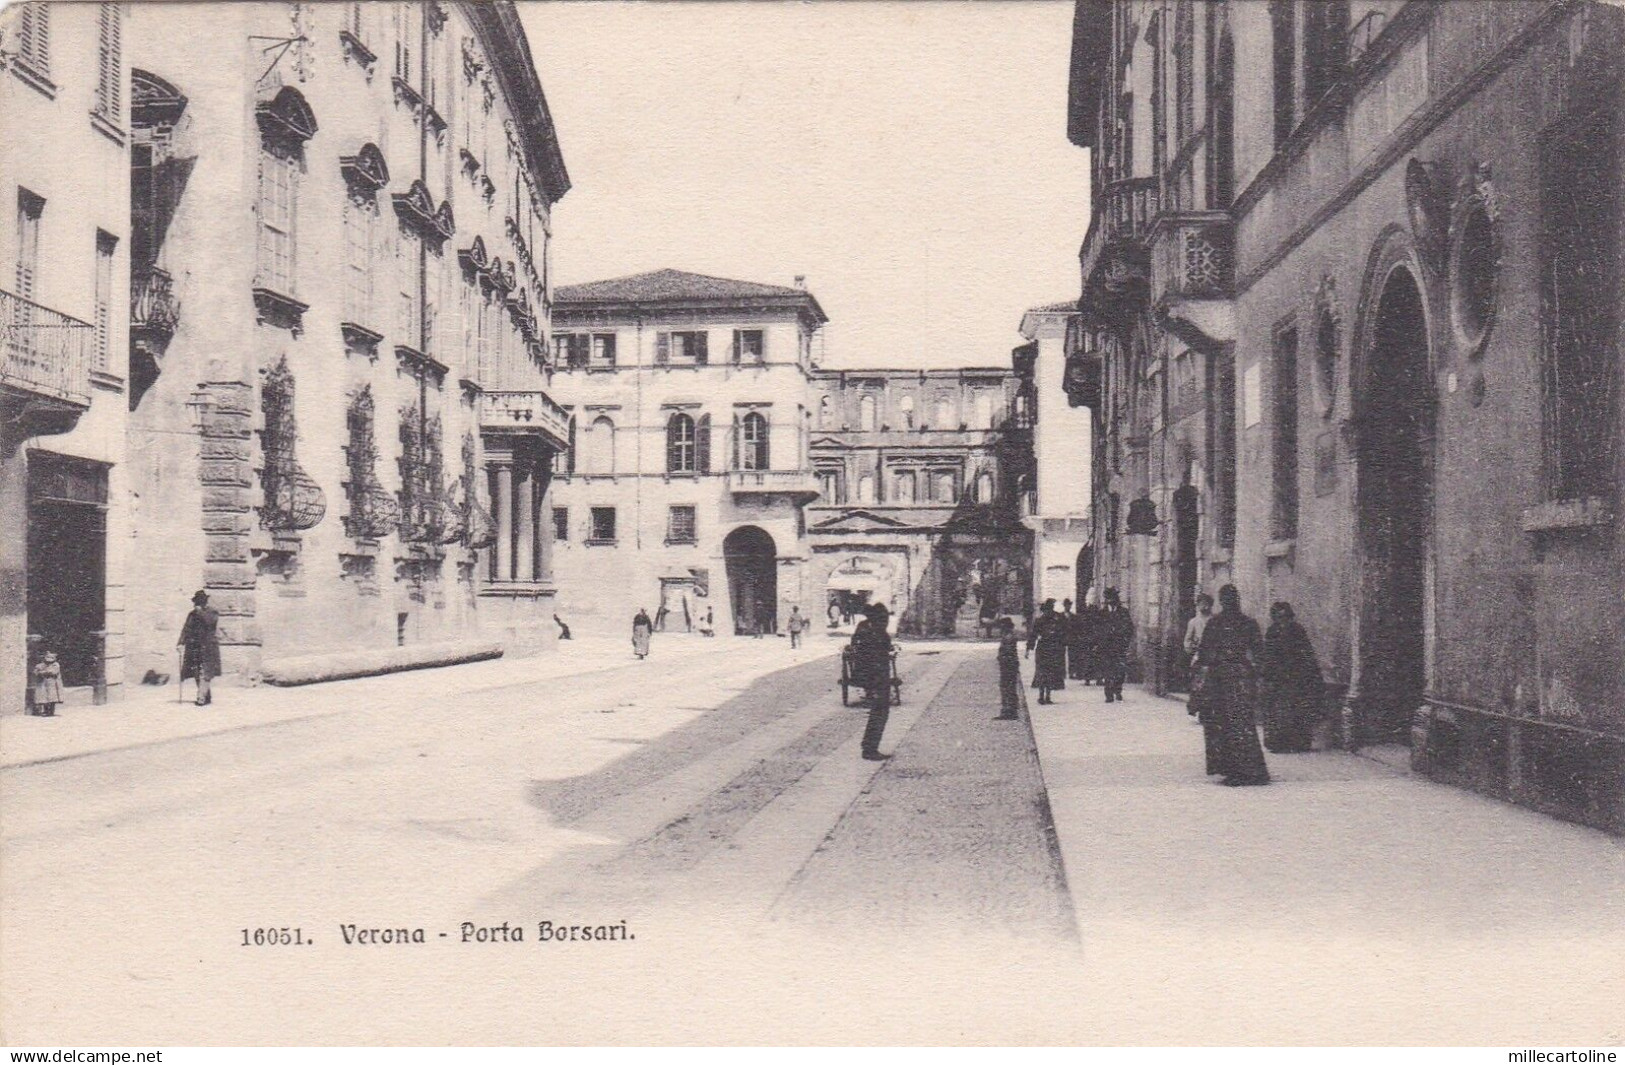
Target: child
[1009, 670]
[47, 685]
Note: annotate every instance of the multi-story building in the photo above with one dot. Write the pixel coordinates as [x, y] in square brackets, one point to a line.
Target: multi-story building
[683, 488]
[340, 424]
[918, 504]
[1359, 320]
[64, 272]
[1055, 497]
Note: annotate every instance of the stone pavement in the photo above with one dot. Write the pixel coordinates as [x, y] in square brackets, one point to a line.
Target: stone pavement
[1349, 902]
[148, 715]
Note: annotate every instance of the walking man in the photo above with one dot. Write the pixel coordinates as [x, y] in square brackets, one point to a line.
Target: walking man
[797, 625]
[1116, 637]
[1009, 670]
[871, 661]
[200, 647]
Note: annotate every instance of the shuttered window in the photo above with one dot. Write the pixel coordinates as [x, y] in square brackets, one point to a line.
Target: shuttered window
[109, 80]
[359, 218]
[277, 210]
[34, 37]
[105, 243]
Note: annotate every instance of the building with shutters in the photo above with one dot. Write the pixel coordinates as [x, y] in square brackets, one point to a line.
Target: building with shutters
[64, 367]
[340, 422]
[1356, 315]
[920, 475]
[682, 491]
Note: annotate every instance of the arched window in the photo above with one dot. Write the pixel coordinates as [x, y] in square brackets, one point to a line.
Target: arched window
[680, 448]
[753, 453]
[905, 408]
[866, 412]
[866, 488]
[903, 487]
[984, 487]
[945, 414]
[826, 412]
[984, 408]
[1221, 115]
[601, 447]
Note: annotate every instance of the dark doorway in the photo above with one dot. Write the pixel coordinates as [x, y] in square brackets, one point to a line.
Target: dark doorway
[1394, 511]
[67, 564]
[1185, 577]
[1084, 576]
[752, 566]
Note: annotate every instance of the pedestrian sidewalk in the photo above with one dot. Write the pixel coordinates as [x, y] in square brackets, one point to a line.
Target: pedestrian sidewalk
[1349, 902]
[148, 715]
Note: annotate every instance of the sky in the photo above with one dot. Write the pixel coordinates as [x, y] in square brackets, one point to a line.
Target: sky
[909, 158]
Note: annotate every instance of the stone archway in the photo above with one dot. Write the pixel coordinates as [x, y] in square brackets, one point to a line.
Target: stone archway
[750, 558]
[1393, 508]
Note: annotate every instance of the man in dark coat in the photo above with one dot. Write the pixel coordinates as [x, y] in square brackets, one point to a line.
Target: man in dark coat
[1048, 637]
[871, 668]
[1114, 637]
[1294, 694]
[200, 646]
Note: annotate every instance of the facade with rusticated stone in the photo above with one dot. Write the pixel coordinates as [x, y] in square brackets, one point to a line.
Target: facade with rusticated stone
[1352, 288]
[343, 430]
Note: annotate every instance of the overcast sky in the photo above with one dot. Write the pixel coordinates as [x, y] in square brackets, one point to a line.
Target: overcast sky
[909, 158]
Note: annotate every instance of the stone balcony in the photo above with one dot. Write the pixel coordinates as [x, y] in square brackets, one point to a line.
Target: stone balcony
[1114, 258]
[1193, 277]
[44, 368]
[524, 414]
[155, 314]
[798, 484]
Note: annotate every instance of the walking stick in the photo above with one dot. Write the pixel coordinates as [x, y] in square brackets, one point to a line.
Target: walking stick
[180, 674]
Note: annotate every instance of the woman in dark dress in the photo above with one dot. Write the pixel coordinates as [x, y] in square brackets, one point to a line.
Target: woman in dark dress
[1231, 648]
[1293, 690]
[1048, 638]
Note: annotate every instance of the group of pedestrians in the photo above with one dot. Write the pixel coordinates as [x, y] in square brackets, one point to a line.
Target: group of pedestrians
[1091, 646]
[1241, 678]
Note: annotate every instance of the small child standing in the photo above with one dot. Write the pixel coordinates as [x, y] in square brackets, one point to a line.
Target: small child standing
[47, 685]
[1009, 670]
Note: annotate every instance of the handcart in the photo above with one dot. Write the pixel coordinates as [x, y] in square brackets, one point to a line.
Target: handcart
[848, 672]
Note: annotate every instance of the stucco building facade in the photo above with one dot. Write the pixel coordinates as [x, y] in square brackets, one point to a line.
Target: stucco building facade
[340, 424]
[682, 492]
[1358, 329]
[918, 507]
[64, 370]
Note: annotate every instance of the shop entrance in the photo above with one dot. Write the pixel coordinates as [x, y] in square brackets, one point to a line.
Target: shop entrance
[67, 564]
[752, 566]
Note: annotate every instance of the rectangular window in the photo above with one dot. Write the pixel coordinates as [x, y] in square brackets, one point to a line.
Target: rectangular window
[105, 243]
[680, 349]
[109, 64]
[750, 346]
[34, 37]
[30, 208]
[278, 211]
[405, 38]
[358, 240]
[903, 487]
[603, 351]
[1284, 520]
[1326, 47]
[409, 303]
[602, 527]
[944, 487]
[829, 484]
[1579, 174]
[680, 525]
[561, 524]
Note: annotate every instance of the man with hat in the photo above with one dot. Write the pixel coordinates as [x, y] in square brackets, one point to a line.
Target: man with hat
[871, 667]
[1116, 636]
[200, 646]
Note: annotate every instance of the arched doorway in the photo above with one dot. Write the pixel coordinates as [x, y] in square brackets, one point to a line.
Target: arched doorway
[1186, 576]
[1083, 575]
[1394, 502]
[750, 559]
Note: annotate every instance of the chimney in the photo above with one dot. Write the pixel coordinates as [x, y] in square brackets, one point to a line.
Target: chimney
[801, 282]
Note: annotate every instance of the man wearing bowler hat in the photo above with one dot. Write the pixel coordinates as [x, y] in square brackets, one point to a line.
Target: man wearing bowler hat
[871, 662]
[200, 646]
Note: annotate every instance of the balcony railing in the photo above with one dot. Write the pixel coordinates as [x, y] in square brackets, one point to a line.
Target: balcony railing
[525, 413]
[774, 482]
[1192, 256]
[154, 311]
[1123, 213]
[44, 352]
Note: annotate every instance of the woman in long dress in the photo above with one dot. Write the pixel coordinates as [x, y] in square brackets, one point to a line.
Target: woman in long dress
[1048, 638]
[1294, 692]
[1231, 649]
[642, 628]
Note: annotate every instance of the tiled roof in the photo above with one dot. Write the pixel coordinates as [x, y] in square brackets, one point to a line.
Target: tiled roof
[666, 285]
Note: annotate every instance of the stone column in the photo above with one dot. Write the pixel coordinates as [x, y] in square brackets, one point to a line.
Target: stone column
[525, 506]
[502, 504]
[544, 521]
